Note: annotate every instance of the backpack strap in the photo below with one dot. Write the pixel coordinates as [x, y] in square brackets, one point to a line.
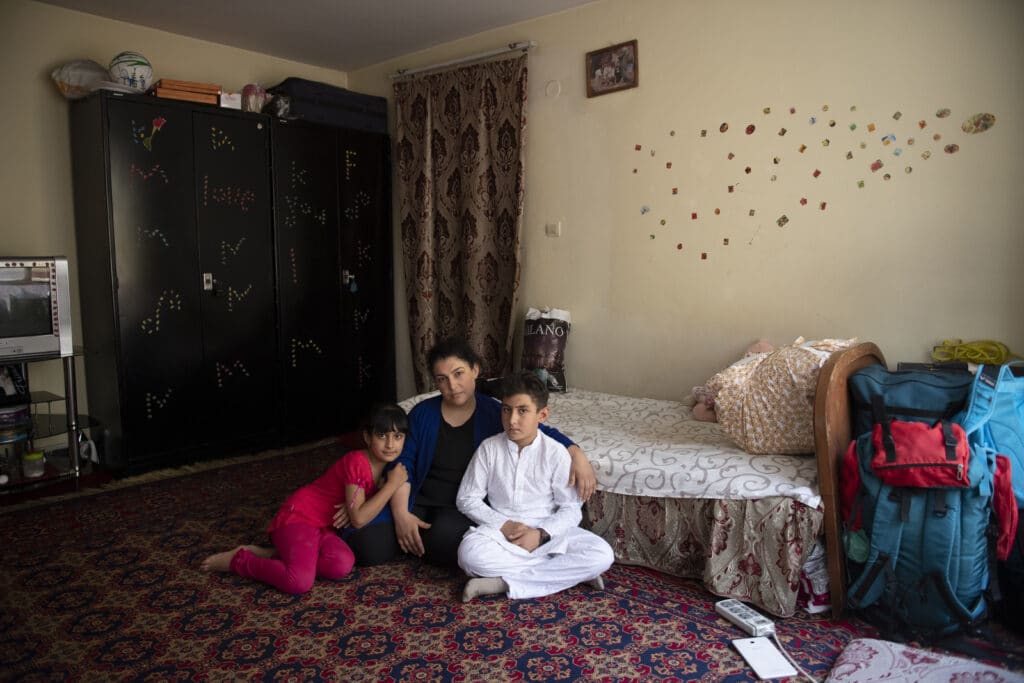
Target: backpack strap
[885, 533]
[982, 399]
[881, 417]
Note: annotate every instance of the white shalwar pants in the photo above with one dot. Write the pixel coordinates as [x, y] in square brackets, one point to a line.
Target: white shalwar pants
[575, 556]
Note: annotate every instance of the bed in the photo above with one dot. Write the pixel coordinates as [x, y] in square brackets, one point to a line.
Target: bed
[676, 495]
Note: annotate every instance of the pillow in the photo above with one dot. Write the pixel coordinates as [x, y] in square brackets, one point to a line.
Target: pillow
[545, 334]
[765, 402]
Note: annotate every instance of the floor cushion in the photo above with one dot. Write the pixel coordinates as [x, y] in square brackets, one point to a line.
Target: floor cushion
[866, 659]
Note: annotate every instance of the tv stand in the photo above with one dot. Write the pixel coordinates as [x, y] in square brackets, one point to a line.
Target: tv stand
[46, 425]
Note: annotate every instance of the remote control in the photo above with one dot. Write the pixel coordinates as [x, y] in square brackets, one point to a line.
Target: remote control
[751, 621]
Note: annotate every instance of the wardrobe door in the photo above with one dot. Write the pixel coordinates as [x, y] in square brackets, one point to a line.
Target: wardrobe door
[367, 288]
[156, 273]
[235, 247]
[306, 167]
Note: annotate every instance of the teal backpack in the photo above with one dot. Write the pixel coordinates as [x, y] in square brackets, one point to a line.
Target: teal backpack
[920, 558]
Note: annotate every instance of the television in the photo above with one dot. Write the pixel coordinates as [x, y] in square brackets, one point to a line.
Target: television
[35, 307]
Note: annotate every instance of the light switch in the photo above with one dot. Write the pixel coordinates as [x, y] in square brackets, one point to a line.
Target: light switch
[553, 229]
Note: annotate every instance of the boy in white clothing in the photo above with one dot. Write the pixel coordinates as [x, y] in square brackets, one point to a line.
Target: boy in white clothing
[527, 542]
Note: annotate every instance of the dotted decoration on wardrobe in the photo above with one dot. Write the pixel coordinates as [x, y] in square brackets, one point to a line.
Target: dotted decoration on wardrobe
[299, 345]
[155, 170]
[360, 201]
[155, 403]
[300, 176]
[139, 133]
[234, 296]
[219, 139]
[225, 371]
[295, 268]
[169, 298]
[154, 234]
[359, 318]
[364, 254]
[350, 163]
[232, 196]
[297, 207]
[365, 372]
[229, 250]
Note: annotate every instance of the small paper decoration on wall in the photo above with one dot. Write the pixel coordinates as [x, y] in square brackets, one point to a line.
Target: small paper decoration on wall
[814, 162]
[979, 123]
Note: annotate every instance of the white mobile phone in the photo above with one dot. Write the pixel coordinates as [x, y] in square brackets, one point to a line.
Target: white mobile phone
[764, 658]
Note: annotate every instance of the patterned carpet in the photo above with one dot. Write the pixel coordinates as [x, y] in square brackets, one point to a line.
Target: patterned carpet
[105, 587]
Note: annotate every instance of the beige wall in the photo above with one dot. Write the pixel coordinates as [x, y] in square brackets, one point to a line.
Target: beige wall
[35, 169]
[906, 262]
[932, 254]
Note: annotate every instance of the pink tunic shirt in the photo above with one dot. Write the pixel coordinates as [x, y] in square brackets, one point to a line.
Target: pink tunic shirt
[314, 504]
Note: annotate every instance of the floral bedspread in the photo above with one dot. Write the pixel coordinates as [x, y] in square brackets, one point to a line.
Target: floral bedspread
[650, 447]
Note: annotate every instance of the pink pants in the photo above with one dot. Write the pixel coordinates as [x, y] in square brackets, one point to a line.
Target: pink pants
[303, 554]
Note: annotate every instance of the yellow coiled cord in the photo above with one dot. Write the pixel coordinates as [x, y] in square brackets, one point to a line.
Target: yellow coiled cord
[982, 352]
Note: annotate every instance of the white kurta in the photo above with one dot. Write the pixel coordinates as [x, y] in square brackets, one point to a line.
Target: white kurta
[500, 484]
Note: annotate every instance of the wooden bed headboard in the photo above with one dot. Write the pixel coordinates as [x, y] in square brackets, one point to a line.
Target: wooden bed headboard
[831, 439]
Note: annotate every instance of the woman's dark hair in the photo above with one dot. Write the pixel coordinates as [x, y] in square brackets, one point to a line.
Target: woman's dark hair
[452, 347]
[384, 418]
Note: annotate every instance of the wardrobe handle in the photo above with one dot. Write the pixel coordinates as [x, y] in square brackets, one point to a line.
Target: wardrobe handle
[348, 279]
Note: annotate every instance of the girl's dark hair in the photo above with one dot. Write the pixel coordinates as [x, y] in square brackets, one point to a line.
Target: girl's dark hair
[386, 417]
[452, 347]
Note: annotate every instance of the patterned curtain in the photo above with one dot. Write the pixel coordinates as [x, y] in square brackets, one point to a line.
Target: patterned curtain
[460, 201]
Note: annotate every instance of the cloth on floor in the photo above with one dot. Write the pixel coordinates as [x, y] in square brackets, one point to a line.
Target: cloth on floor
[866, 660]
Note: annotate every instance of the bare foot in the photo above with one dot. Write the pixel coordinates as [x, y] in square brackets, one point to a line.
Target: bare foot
[260, 551]
[219, 562]
[477, 587]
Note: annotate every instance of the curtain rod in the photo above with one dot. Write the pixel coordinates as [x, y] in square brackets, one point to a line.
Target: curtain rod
[522, 45]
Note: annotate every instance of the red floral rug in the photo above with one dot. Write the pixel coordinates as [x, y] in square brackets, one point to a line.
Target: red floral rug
[106, 587]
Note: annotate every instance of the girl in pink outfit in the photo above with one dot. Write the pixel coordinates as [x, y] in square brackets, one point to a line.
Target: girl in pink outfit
[306, 545]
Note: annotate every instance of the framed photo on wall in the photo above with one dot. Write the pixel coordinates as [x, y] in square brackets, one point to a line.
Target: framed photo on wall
[611, 69]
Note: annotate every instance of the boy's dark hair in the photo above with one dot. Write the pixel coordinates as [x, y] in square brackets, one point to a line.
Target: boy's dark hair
[452, 347]
[384, 418]
[528, 383]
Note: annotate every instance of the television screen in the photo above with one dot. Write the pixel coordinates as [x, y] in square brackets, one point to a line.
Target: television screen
[25, 307]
